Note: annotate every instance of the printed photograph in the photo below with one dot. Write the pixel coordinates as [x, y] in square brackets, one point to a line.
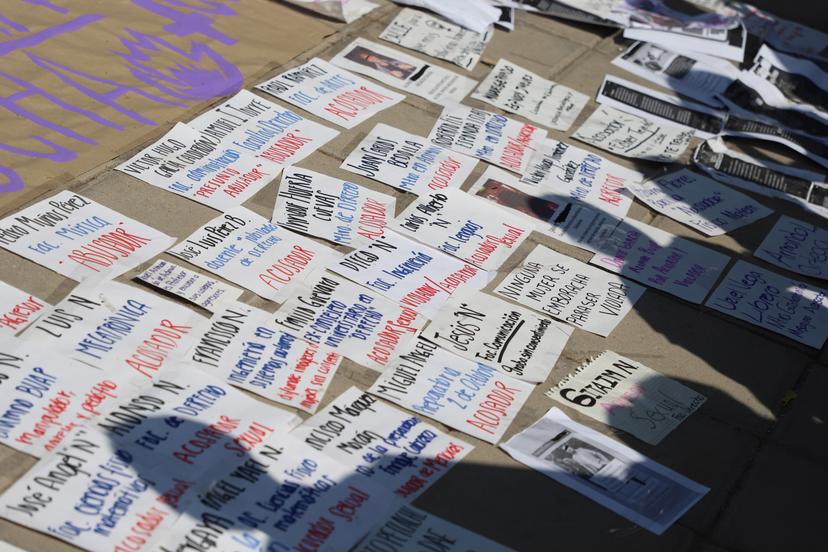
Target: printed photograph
[503, 194]
[384, 64]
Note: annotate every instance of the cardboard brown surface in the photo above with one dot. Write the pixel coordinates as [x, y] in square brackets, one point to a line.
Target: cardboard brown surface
[82, 81]
[744, 372]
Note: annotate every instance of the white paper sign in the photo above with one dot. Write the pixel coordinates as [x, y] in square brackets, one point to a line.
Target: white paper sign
[331, 93]
[570, 291]
[626, 394]
[494, 138]
[128, 476]
[247, 249]
[660, 260]
[17, 309]
[414, 275]
[242, 346]
[797, 246]
[644, 102]
[276, 136]
[606, 471]
[410, 528]
[405, 72]
[517, 90]
[482, 328]
[632, 136]
[691, 74]
[789, 307]
[361, 325]
[332, 209]
[118, 328]
[564, 218]
[723, 43]
[79, 238]
[437, 37]
[464, 226]
[408, 162]
[395, 449]
[342, 10]
[202, 166]
[45, 397]
[192, 286]
[564, 173]
[699, 202]
[284, 497]
[470, 397]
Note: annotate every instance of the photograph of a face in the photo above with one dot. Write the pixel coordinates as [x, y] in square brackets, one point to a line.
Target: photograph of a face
[379, 62]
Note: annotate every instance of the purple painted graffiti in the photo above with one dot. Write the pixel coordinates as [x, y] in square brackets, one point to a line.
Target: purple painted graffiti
[200, 75]
[178, 75]
[47, 4]
[42, 36]
[188, 23]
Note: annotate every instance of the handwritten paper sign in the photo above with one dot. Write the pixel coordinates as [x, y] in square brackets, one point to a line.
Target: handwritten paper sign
[117, 327]
[562, 172]
[789, 307]
[494, 138]
[45, 397]
[512, 88]
[394, 449]
[699, 202]
[634, 136]
[568, 220]
[414, 275]
[797, 246]
[408, 162]
[437, 37]
[571, 291]
[361, 325]
[464, 226]
[332, 209]
[482, 328]
[185, 425]
[606, 471]
[284, 495]
[17, 309]
[275, 136]
[200, 167]
[251, 251]
[626, 394]
[398, 69]
[470, 397]
[63, 509]
[661, 260]
[410, 528]
[79, 238]
[243, 347]
[331, 93]
[192, 286]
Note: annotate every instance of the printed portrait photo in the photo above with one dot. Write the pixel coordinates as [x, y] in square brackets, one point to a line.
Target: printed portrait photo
[369, 58]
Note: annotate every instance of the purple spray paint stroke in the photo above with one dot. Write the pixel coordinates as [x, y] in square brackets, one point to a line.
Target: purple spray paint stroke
[59, 154]
[16, 27]
[11, 103]
[202, 74]
[47, 4]
[14, 182]
[110, 97]
[42, 36]
[185, 24]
